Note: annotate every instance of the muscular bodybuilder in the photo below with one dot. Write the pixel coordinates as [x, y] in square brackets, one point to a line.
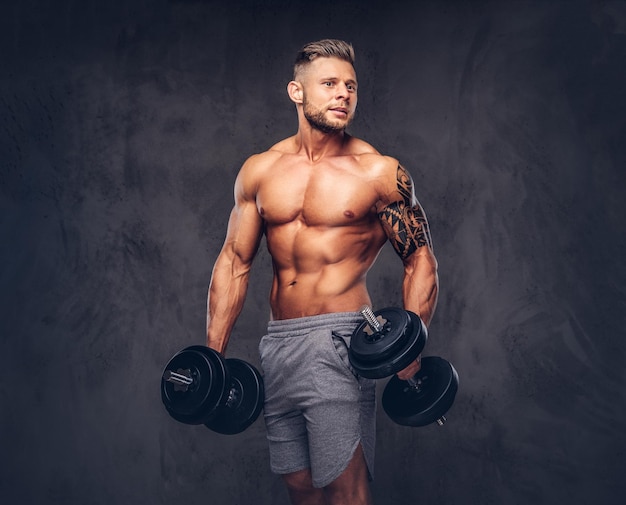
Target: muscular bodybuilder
[327, 202]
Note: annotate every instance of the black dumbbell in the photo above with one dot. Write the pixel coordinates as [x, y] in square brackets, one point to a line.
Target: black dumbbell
[199, 386]
[388, 341]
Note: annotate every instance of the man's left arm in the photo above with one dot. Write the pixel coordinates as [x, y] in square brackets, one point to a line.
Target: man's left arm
[405, 223]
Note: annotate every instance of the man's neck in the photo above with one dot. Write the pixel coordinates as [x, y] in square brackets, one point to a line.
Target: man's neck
[315, 144]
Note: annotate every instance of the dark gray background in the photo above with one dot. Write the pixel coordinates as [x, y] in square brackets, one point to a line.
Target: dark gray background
[122, 127]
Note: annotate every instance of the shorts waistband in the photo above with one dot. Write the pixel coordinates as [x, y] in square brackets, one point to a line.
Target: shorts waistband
[303, 325]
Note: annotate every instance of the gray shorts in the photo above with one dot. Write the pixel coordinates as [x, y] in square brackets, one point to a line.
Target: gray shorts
[317, 410]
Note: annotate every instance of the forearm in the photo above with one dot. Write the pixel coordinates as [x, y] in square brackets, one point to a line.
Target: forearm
[420, 287]
[226, 296]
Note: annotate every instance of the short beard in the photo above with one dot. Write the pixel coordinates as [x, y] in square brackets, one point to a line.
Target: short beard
[318, 120]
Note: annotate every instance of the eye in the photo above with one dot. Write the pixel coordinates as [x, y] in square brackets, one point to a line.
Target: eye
[328, 84]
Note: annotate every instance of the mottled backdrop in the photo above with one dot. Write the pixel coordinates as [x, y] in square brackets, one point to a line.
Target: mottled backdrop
[122, 127]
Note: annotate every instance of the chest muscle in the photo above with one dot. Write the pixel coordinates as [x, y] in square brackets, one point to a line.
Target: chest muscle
[317, 196]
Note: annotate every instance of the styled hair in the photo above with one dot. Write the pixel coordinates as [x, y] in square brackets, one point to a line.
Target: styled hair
[325, 48]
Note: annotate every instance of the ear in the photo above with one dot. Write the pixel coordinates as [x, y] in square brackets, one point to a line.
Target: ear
[294, 90]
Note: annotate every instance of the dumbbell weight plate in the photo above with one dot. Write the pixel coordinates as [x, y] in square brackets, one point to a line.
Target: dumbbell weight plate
[394, 349]
[369, 346]
[438, 386]
[246, 402]
[210, 386]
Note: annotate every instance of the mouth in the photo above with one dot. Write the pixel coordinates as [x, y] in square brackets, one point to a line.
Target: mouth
[340, 110]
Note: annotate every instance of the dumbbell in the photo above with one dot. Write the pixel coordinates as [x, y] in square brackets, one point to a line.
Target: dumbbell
[199, 386]
[388, 341]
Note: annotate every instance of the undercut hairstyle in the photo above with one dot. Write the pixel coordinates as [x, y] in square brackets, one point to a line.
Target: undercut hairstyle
[326, 48]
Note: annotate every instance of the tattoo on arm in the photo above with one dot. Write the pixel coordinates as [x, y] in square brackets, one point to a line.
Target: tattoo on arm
[404, 221]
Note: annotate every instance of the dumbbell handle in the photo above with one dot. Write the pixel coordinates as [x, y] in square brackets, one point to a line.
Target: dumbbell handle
[415, 384]
[370, 317]
[184, 380]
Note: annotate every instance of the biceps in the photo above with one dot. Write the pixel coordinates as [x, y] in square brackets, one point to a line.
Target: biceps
[406, 226]
[404, 220]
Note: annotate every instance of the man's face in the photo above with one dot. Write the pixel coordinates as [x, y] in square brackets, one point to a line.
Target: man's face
[329, 94]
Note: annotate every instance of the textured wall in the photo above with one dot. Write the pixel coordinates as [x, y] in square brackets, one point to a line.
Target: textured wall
[122, 127]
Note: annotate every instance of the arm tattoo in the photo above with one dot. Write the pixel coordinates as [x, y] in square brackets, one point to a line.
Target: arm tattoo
[404, 221]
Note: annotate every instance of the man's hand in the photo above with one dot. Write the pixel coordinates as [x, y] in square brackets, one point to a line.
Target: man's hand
[410, 370]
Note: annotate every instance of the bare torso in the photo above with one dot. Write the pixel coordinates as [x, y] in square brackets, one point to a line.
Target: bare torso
[326, 202]
[321, 225]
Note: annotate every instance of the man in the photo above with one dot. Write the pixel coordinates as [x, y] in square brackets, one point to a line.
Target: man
[326, 202]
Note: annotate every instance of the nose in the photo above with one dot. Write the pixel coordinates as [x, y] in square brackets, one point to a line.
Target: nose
[342, 91]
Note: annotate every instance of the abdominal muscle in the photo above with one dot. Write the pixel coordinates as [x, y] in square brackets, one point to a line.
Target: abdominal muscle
[319, 270]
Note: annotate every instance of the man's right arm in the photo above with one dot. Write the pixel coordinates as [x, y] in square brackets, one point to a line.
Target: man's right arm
[229, 281]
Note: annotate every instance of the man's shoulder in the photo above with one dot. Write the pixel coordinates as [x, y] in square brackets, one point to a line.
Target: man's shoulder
[284, 146]
[265, 159]
[383, 170]
[258, 163]
[360, 147]
[369, 156]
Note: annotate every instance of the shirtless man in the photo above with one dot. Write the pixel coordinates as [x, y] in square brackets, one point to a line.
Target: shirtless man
[326, 202]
